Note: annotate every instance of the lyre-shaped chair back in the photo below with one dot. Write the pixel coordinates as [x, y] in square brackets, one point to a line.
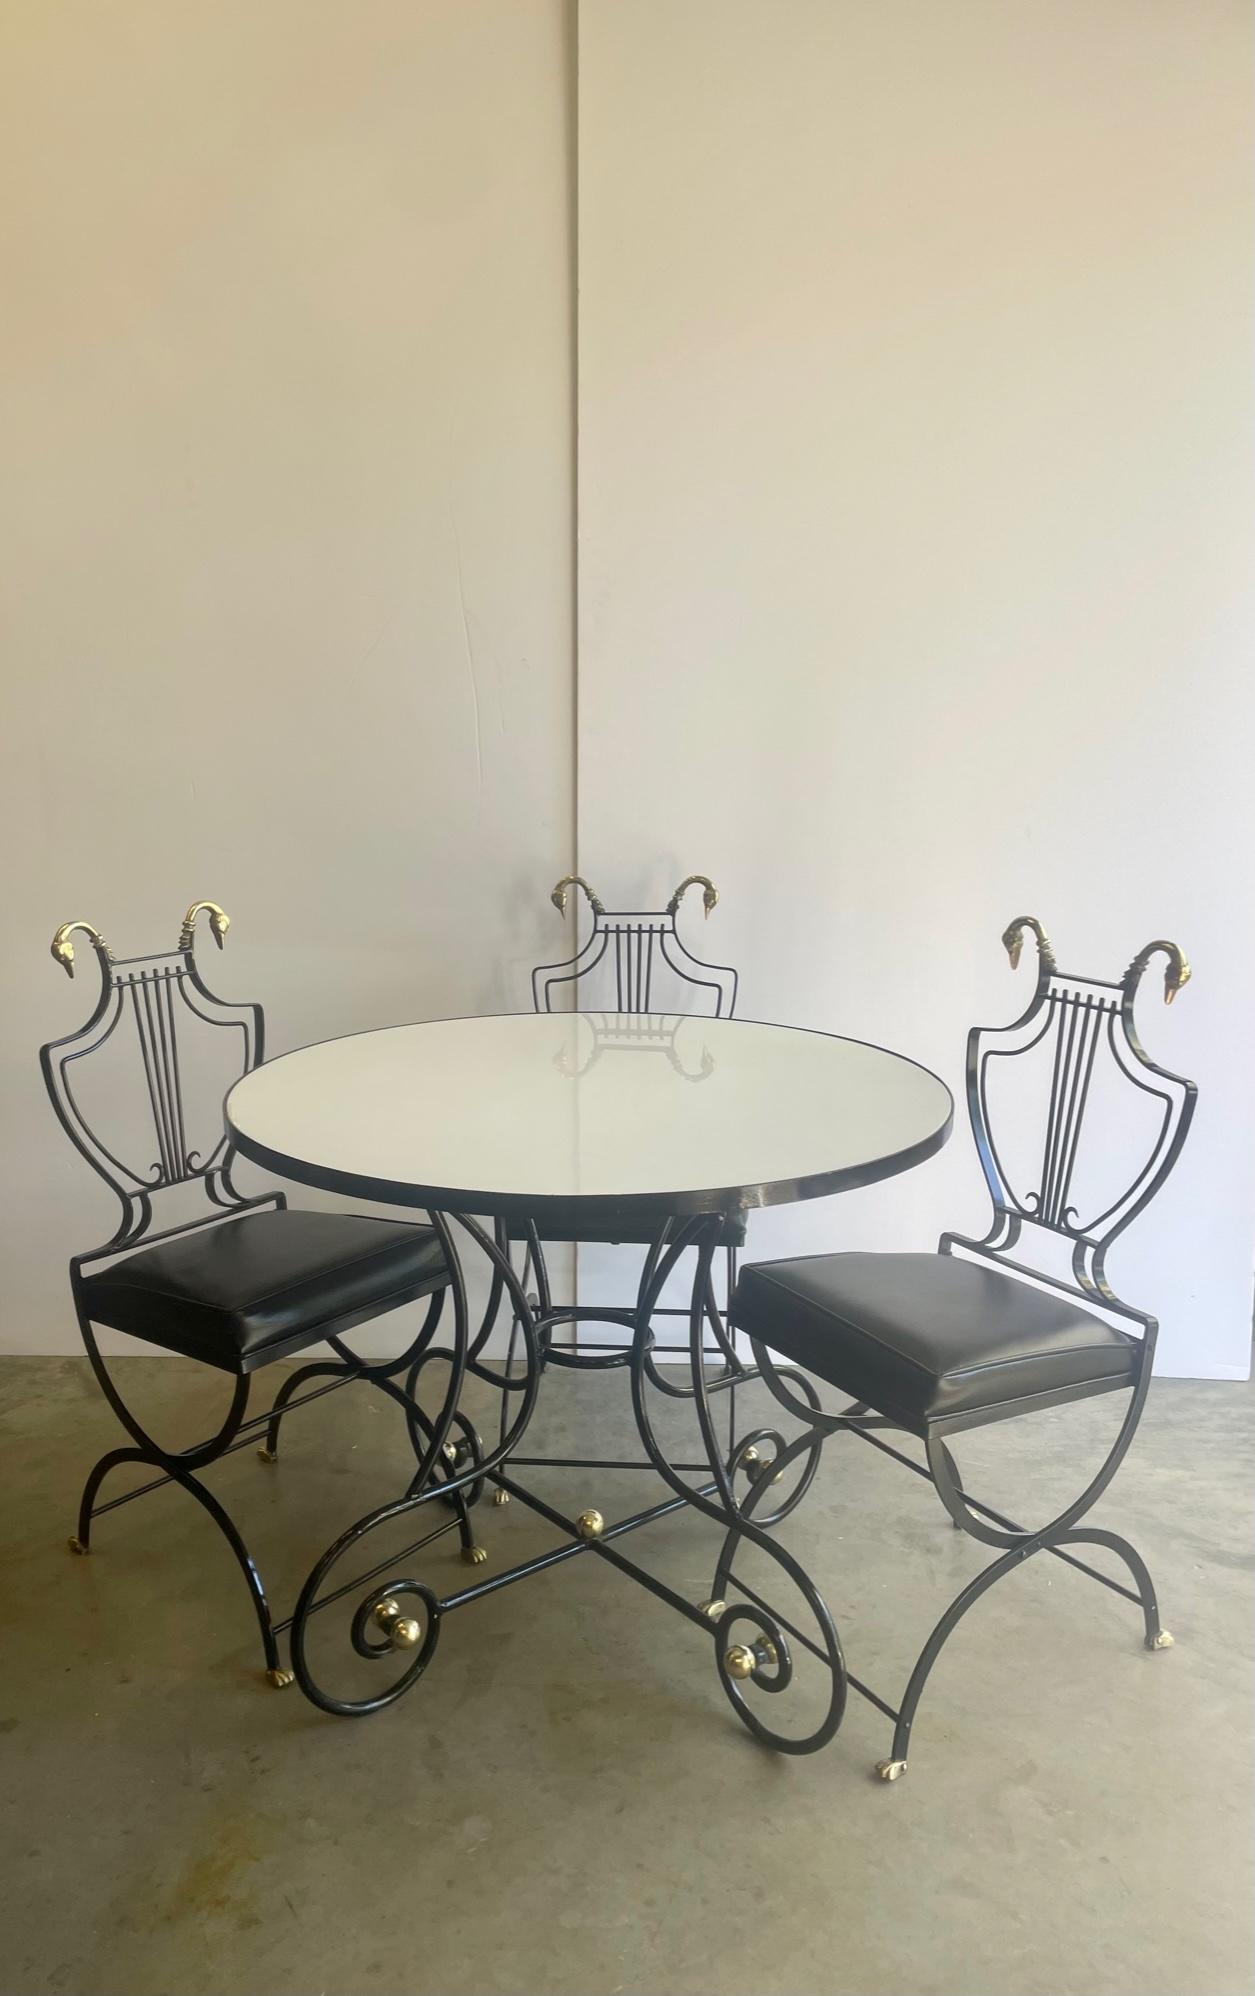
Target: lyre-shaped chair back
[1109, 1122]
[633, 961]
[150, 1008]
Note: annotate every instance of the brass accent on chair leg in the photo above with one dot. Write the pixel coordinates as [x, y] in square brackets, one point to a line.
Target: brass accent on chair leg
[590, 1524]
[474, 1555]
[280, 1679]
[265, 1454]
[890, 1770]
[711, 1609]
[500, 1497]
[76, 1545]
[1164, 1640]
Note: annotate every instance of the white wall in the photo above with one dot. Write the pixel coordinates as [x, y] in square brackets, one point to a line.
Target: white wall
[915, 503]
[286, 588]
[914, 493]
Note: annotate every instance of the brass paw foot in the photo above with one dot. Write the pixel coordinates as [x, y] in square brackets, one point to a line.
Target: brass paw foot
[76, 1545]
[890, 1770]
[1162, 1641]
[280, 1679]
[500, 1497]
[474, 1555]
[267, 1454]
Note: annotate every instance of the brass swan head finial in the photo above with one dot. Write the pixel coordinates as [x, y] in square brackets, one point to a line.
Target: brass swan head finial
[710, 894]
[63, 948]
[1176, 970]
[219, 923]
[1013, 942]
[559, 894]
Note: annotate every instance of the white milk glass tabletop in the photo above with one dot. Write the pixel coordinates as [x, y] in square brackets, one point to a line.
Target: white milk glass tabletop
[532, 1114]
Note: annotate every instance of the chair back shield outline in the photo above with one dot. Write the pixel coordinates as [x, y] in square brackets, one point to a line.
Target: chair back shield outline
[1080, 1034]
[156, 1004]
[340, 1272]
[938, 1345]
[631, 954]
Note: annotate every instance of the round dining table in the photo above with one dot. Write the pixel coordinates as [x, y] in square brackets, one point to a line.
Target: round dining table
[598, 1126]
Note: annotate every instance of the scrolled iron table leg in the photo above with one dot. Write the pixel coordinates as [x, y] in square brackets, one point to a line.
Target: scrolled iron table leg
[755, 1641]
[452, 1465]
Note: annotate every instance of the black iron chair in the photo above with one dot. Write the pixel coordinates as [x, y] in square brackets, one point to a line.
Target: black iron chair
[638, 973]
[937, 1344]
[236, 1286]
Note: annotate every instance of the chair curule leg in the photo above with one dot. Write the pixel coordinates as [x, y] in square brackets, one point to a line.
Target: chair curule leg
[1055, 1538]
[1156, 1636]
[168, 1467]
[895, 1766]
[269, 1449]
[955, 1478]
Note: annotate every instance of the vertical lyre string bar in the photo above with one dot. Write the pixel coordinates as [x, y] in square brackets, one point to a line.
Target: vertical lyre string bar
[161, 1062]
[149, 1074]
[1078, 1027]
[152, 1007]
[1091, 1029]
[633, 966]
[1053, 1112]
[171, 978]
[166, 1070]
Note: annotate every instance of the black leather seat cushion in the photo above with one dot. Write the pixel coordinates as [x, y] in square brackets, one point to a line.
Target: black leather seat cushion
[246, 1291]
[927, 1337]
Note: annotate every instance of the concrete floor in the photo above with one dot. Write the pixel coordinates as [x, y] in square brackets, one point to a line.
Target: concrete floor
[566, 1803]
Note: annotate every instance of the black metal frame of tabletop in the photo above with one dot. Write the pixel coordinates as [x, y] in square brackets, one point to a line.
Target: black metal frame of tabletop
[744, 1488]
